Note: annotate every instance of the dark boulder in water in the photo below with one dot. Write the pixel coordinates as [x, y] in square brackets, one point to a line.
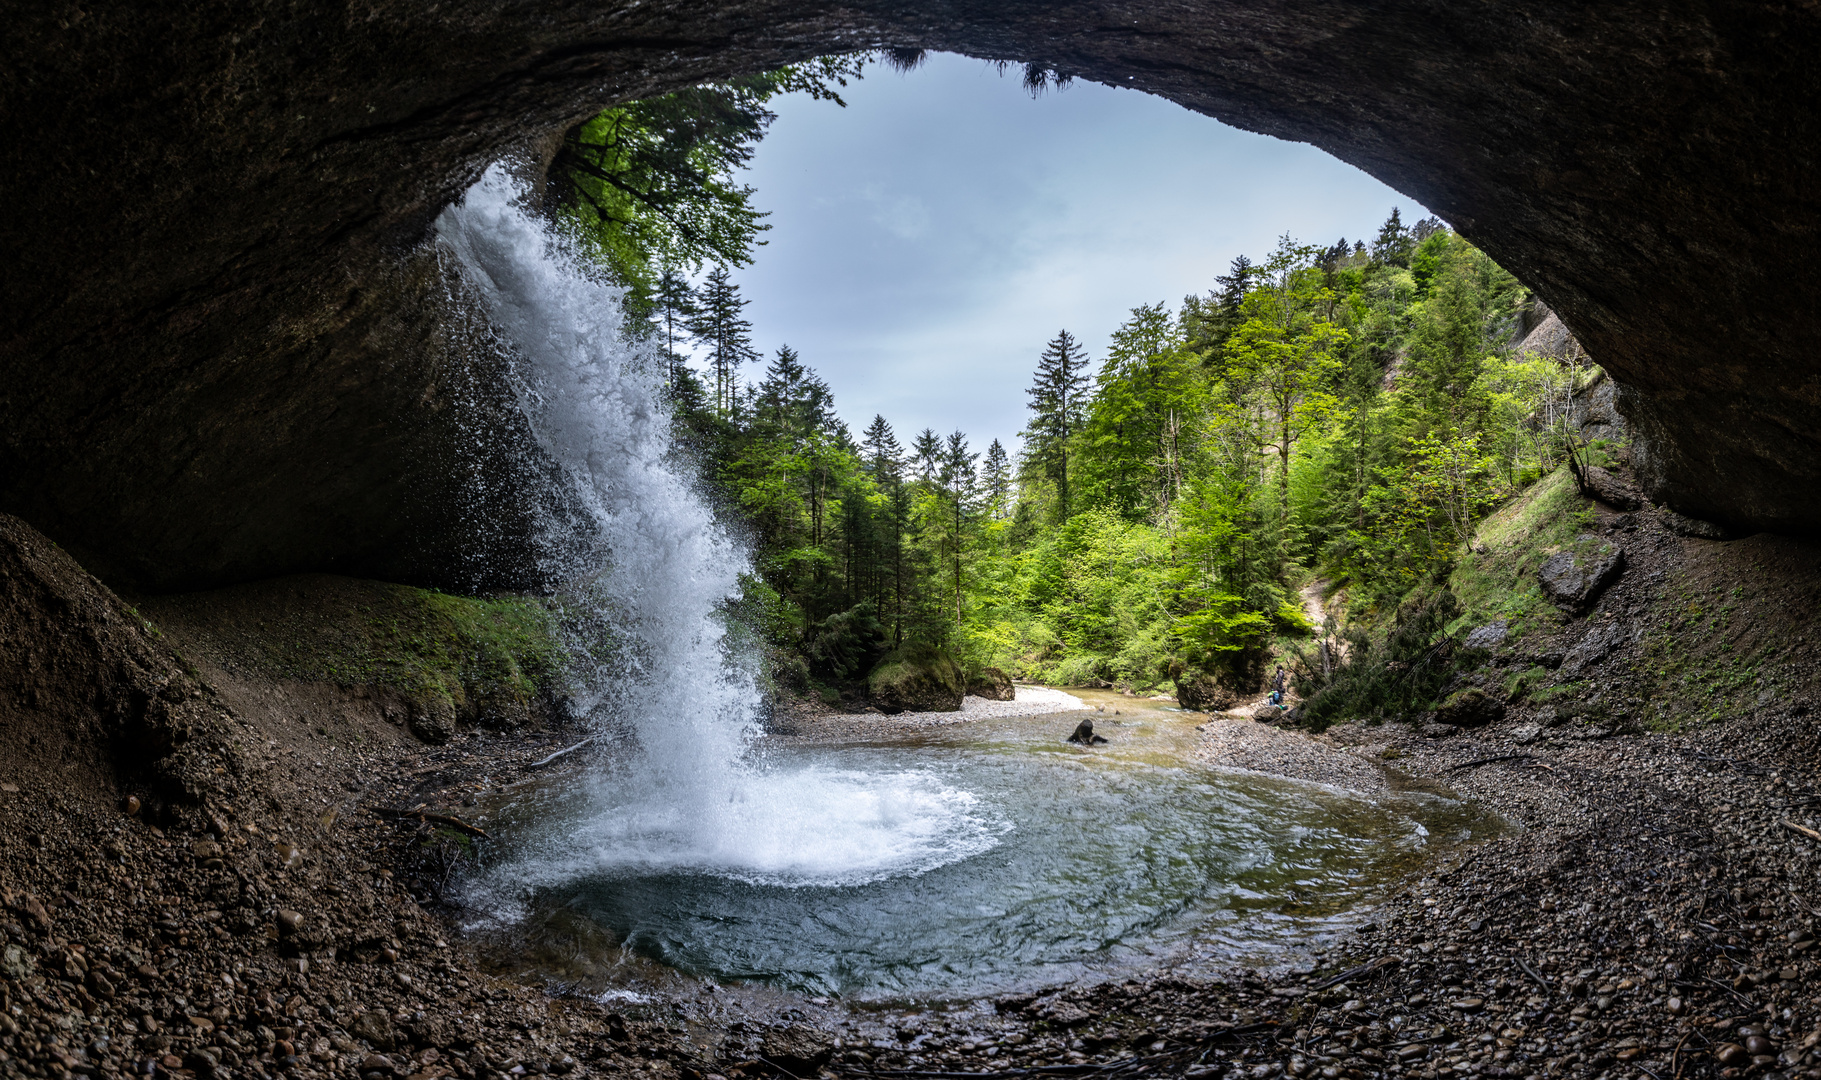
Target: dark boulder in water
[1084, 734]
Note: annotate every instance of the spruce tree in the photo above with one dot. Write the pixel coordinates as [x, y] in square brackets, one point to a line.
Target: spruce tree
[794, 399]
[885, 463]
[673, 304]
[957, 478]
[1058, 395]
[926, 453]
[884, 456]
[718, 325]
[1394, 243]
[996, 479]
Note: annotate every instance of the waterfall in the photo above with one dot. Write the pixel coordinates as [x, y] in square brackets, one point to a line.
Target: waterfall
[657, 572]
[596, 405]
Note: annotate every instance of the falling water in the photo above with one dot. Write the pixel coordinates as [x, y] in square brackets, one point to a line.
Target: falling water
[661, 574]
[835, 868]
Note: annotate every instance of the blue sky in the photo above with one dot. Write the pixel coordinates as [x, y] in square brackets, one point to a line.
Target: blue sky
[928, 239]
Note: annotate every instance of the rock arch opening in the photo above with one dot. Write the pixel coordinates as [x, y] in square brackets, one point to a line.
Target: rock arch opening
[224, 361]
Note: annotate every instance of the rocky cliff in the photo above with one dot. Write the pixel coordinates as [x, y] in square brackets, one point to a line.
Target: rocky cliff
[227, 352]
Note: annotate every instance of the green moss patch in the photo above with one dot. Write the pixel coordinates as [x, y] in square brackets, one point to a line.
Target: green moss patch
[1496, 577]
[471, 652]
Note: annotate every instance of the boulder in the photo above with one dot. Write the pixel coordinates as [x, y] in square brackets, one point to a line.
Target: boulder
[1525, 734]
[1573, 579]
[1471, 707]
[916, 678]
[1683, 525]
[1433, 730]
[1596, 645]
[1268, 714]
[992, 684]
[1610, 489]
[1201, 691]
[797, 1049]
[374, 1027]
[1490, 636]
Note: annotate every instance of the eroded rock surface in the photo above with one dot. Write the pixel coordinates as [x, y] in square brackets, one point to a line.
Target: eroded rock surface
[1573, 579]
[226, 352]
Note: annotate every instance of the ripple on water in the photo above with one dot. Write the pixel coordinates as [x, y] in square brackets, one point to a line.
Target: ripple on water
[963, 861]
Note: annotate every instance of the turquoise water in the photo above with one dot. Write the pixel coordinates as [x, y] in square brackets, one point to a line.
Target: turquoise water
[961, 860]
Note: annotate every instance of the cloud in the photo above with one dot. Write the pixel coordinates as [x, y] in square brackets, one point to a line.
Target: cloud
[930, 238]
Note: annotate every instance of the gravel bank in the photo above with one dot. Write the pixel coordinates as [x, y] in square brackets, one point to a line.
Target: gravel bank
[826, 723]
[1245, 744]
[1654, 917]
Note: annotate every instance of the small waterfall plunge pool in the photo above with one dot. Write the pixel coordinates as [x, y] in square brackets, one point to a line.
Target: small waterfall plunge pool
[959, 860]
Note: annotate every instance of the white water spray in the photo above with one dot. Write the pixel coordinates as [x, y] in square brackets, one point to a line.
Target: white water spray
[597, 407]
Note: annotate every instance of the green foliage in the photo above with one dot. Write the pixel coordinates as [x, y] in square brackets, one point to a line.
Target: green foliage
[846, 643]
[1497, 578]
[1336, 410]
[1391, 675]
[650, 186]
[1140, 428]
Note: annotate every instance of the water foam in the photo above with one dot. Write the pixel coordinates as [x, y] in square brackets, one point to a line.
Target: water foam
[659, 574]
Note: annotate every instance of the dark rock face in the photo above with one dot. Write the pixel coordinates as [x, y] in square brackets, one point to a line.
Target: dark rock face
[992, 684]
[1612, 489]
[226, 351]
[1471, 707]
[1200, 691]
[96, 703]
[1573, 579]
[1683, 525]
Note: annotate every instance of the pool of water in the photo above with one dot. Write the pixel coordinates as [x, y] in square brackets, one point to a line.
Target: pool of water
[960, 860]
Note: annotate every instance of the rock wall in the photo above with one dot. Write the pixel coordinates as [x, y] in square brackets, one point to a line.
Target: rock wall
[227, 352]
[92, 704]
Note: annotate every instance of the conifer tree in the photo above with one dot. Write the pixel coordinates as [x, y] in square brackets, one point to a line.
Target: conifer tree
[718, 325]
[885, 464]
[926, 453]
[1394, 242]
[995, 480]
[673, 305]
[1057, 403]
[883, 454]
[792, 398]
[957, 479]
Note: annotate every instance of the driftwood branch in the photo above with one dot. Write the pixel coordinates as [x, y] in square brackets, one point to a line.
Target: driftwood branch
[560, 753]
[1364, 969]
[421, 814]
[1803, 829]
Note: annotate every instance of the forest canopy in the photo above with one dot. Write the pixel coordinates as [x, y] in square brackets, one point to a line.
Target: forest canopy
[1347, 411]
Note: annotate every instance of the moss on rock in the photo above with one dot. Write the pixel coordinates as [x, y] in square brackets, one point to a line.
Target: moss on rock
[916, 678]
[456, 658]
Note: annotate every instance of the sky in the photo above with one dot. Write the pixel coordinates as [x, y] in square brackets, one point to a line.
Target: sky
[930, 238]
